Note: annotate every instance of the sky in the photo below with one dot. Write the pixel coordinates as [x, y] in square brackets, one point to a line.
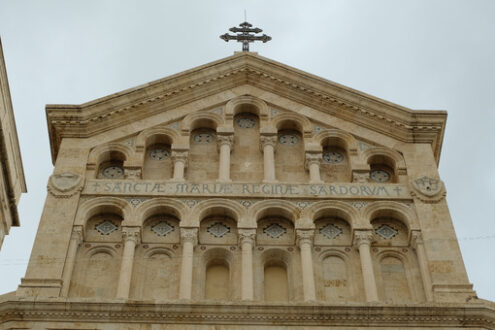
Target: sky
[423, 54]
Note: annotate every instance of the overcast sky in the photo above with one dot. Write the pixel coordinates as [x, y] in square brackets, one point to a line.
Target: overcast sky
[419, 54]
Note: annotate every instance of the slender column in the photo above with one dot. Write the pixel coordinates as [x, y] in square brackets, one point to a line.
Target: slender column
[130, 235]
[180, 163]
[224, 143]
[305, 242]
[418, 244]
[313, 161]
[246, 240]
[267, 145]
[75, 240]
[189, 238]
[363, 242]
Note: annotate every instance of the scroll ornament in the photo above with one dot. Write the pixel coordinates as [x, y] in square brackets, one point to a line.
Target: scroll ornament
[65, 185]
[428, 190]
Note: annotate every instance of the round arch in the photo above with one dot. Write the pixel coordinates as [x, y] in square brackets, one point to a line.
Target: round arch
[215, 207]
[348, 141]
[95, 156]
[302, 123]
[191, 121]
[158, 205]
[143, 137]
[334, 208]
[260, 107]
[395, 210]
[103, 205]
[273, 207]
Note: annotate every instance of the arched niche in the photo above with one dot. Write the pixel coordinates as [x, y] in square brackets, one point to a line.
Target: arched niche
[161, 228]
[157, 162]
[389, 231]
[276, 275]
[217, 275]
[275, 230]
[336, 161]
[290, 152]
[203, 160]
[332, 231]
[246, 103]
[104, 227]
[395, 285]
[154, 274]
[385, 164]
[246, 157]
[95, 262]
[106, 156]
[336, 277]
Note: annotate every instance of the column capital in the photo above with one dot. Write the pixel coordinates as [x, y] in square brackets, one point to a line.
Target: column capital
[363, 237]
[227, 139]
[312, 158]
[131, 234]
[304, 236]
[246, 235]
[267, 140]
[416, 238]
[189, 235]
[180, 156]
[77, 234]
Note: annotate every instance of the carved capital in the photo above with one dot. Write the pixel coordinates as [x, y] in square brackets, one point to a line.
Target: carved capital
[360, 177]
[225, 140]
[77, 234]
[265, 140]
[189, 235]
[304, 236]
[65, 185]
[180, 156]
[416, 239]
[428, 190]
[312, 158]
[246, 236]
[363, 237]
[133, 173]
[131, 234]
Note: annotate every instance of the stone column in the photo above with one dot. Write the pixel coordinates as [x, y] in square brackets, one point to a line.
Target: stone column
[180, 163]
[418, 244]
[246, 240]
[363, 241]
[224, 143]
[305, 242]
[130, 236]
[267, 145]
[189, 239]
[75, 240]
[313, 161]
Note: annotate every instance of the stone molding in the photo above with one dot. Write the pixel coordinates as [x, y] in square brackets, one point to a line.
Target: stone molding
[246, 235]
[312, 158]
[131, 234]
[225, 140]
[476, 314]
[180, 156]
[65, 185]
[267, 140]
[363, 237]
[304, 236]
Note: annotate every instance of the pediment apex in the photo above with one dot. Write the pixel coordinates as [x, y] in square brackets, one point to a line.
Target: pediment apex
[245, 68]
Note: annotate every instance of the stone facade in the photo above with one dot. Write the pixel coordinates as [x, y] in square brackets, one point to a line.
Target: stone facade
[12, 182]
[245, 194]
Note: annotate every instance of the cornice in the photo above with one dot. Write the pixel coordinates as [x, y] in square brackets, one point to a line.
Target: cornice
[91, 118]
[419, 315]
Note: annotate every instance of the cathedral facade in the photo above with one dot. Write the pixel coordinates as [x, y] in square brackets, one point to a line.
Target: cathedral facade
[245, 194]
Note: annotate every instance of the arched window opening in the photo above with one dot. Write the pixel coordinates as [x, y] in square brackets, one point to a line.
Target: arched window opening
[382, 169]
[158, 158]
[111, 165]
[335, 164]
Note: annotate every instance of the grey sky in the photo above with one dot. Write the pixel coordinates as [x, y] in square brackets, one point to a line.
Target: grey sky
[420, 54]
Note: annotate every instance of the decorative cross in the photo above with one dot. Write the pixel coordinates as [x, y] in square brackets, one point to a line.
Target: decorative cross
[244, 35]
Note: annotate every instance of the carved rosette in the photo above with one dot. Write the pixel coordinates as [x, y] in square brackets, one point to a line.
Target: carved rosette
[428, 190]
[363, 237]
[304, 236]
[246, 236]
[265, 140]
[180, 156]
[65, 185]
[312, 158]
[189, 235]
[131, 234]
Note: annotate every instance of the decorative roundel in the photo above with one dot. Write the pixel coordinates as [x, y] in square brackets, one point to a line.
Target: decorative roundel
[203, 138]
[289, 139]
[380, 176]
[245, 122]
[333, 157]
[113, 172]
[159, 153]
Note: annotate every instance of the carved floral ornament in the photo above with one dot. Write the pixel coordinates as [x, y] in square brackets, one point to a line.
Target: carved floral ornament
[65, 185]
[428, 190]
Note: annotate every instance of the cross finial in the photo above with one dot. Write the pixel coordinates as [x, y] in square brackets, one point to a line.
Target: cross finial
[245, 34]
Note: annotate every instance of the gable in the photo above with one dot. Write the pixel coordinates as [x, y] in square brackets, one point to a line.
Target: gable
[216, 81]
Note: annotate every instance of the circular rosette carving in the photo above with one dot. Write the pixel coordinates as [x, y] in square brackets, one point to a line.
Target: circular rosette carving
[65, 185]
[428, 190]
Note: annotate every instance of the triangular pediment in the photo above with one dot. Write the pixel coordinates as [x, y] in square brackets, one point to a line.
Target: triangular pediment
[145, 101]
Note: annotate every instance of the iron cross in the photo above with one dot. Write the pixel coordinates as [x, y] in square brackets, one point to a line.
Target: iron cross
[245, 34]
